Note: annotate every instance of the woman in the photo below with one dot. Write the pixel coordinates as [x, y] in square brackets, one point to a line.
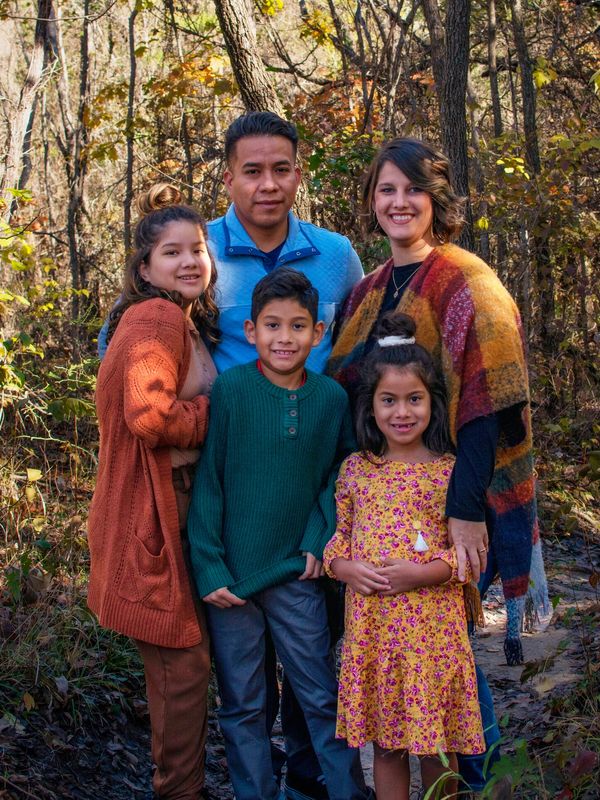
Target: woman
[152, 403]
[471, 325]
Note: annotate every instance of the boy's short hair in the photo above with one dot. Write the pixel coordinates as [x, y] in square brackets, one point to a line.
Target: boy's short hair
[285, 283]
[258, 123]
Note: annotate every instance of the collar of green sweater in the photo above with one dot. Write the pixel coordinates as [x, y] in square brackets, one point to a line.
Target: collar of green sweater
[265, 385]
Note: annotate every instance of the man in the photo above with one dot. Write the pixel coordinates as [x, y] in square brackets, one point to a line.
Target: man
[259, 233]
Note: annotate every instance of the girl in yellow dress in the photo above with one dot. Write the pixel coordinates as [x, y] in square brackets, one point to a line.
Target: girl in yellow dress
[407, 680]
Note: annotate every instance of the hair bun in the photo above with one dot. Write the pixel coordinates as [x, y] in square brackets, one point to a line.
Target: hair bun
[394, 324]
[160, 195]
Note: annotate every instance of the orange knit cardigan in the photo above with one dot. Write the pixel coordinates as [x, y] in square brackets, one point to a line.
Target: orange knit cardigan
[139, 584]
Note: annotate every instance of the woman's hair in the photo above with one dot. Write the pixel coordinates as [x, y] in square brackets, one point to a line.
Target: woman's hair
[159, 206]
[410, 357]
[426, 168]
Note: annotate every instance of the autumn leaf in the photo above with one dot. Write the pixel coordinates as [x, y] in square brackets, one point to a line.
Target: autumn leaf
[584, 763]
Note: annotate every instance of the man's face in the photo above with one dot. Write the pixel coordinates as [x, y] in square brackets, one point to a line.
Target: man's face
[262, 180]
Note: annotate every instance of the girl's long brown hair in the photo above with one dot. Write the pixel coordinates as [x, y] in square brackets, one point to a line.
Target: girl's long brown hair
[159, 206]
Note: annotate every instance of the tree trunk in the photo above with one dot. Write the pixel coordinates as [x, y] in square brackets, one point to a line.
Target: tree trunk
[22, 119]
[501, 243]
[72, 141]
[493, 69]
[541, 251]
[450, 63]
[236, 19]
[482, 203]
[129, 133]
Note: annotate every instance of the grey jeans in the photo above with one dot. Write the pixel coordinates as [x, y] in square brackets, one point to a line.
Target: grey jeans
[296, 617]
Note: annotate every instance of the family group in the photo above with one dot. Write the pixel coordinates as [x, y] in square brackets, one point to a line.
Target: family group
[273, 425]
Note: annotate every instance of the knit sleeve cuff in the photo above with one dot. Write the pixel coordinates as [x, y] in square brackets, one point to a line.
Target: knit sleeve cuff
[449, 557]
[209, 579]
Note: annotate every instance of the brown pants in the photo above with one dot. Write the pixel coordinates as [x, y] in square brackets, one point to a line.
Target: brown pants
[177, 686]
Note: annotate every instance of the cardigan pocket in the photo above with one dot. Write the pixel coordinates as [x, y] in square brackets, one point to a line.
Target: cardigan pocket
[148, 578]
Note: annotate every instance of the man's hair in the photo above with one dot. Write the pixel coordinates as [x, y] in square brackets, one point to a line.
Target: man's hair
[285, 283]
[258, 123]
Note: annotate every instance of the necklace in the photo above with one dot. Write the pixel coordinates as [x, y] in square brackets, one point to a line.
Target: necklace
[403, 284]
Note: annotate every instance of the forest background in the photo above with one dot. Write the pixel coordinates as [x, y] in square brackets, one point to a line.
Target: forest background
[101, 98]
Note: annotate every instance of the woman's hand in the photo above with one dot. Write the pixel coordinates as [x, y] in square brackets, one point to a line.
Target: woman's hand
[223, 598]
[404, 575]
[314, 568]
[361, 576]
[471, 542]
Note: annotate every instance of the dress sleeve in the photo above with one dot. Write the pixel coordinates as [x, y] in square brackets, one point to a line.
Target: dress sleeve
[340, 545]
[448, 555]
[153, 361]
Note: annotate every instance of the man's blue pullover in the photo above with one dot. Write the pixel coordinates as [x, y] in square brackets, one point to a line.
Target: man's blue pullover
[327, 259]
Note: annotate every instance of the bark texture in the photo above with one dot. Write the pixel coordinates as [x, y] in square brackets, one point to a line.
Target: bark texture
[450, 62]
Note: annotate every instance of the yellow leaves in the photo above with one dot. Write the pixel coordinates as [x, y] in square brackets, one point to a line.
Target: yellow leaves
[99, 110]
[38, 524]
[270, 7]
[317, 25]
[185, 79]
[33, 475]
[513, 167]
[543, 73]
[482, 224]
[9, 297]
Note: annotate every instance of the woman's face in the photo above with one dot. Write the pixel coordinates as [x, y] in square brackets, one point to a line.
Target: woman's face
[403, 211]
[179, 261]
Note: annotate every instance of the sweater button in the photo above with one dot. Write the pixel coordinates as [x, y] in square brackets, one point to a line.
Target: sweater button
[292, 430]
[293, 396]
[293, 413]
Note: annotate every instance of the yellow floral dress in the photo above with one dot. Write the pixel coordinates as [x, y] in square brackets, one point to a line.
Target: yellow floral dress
[407, 677]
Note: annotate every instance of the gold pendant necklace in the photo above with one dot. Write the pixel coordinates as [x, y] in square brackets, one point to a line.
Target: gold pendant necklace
[403, 284]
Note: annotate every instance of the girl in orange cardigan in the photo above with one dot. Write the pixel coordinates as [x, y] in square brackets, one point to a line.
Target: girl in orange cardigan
[152, 403]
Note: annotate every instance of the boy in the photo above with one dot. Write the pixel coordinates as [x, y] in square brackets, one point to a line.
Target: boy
[262, 511]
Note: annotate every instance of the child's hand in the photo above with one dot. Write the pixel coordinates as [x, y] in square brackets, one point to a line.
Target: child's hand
[362, 576]
[404, 576]
[223, 598]
[314, 568]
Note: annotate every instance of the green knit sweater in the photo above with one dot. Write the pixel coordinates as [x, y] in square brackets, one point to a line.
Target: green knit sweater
[264, 488]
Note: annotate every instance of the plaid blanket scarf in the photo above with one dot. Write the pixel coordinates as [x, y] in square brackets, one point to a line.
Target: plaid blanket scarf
[470, 324]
